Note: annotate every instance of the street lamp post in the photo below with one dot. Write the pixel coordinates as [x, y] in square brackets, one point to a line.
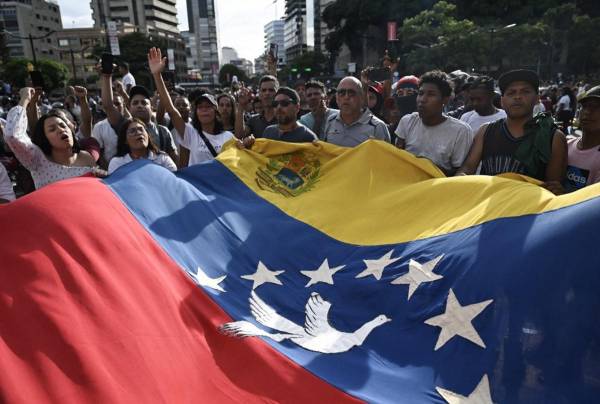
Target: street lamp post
[492, 31]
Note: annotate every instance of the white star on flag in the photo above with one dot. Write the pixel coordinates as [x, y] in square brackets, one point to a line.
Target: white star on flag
[263, 275]
[456, 320]
[418, 274]
[376, 267]
[481, 394]
[202, 279]
[323, 274]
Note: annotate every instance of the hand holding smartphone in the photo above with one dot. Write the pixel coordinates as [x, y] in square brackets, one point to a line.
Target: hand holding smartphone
[107, 63]
[37, 80]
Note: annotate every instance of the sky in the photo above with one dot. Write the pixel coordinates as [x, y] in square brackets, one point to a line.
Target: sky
[241, 22]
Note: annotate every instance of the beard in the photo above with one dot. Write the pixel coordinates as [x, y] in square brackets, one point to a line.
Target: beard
[284, 119]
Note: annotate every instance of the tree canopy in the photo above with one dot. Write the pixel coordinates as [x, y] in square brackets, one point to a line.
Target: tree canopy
[54, 73]
[486, 35]
[228, 71]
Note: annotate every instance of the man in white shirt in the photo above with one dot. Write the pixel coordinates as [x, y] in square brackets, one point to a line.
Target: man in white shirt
[106, 136]
[128, 79]
[431, 134]
[481, 97]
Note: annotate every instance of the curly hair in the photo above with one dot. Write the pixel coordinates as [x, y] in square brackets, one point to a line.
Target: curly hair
[40, 139]
[440, 80]
[123, 146]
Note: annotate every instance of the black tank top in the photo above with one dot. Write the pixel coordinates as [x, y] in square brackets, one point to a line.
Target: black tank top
[499, 148]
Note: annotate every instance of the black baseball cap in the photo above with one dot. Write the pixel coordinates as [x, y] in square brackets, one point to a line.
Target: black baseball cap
[592, 93]
[139, 90]
[528, 76]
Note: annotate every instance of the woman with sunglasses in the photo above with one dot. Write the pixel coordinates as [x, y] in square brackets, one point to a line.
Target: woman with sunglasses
[52, 153]
[134, 143]
[204, 138]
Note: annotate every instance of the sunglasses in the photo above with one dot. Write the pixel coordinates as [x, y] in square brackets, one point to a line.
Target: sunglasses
[346, 91]
[283, 103]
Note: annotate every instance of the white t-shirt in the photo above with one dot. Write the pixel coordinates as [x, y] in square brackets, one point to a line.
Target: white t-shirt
[474, 120]
[565, 101]
[106, 137]
[6, 188]
[198, 150]
[162, 159]
[128, 80]
[446, 144]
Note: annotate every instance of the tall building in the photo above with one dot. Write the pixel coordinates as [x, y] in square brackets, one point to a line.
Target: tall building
[75, 51]
[227, 55]
[299, 32]
[38, 18]
[274, 34]
[202, 20]
[155, 18]
[321, 29]
[150, 16]
[339, 63]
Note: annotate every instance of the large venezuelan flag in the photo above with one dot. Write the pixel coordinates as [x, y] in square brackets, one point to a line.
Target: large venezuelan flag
[353, 274]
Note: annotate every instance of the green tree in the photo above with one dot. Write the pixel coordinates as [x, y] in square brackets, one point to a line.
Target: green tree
[355, 21]
[134, 50]
[584, 51]
[435, 38]
[55, 74]
[228, 71]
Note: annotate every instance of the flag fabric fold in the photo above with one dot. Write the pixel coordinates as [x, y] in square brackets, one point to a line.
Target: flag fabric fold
[300, 273]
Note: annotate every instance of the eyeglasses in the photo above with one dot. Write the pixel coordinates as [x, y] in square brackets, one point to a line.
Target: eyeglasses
[282, 103]
[346, 91]
[135, 130]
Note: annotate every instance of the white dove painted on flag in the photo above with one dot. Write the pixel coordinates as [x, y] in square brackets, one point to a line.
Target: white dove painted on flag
[316, 335]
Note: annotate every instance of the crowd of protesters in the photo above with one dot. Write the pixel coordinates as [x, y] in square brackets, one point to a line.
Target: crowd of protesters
[464, 124]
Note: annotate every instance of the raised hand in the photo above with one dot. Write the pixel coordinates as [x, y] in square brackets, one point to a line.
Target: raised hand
[27, 93]
[243, 96]
[155, 61]
[80, 92]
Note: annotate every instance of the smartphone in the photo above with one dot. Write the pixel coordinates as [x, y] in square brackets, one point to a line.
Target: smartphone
[37, 80]
[273, 48]
[107, 63]
[379, 74]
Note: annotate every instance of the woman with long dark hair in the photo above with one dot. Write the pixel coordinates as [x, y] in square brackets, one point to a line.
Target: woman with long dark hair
[202, 139]
[135, 143]
[226, 107]
[52, 153]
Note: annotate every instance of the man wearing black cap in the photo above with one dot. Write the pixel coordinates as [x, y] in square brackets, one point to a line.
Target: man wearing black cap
[584, 152]
[140, 107]
[519, 143]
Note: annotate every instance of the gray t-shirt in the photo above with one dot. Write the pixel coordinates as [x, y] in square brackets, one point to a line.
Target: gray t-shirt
[300, 134]
[446, 144]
